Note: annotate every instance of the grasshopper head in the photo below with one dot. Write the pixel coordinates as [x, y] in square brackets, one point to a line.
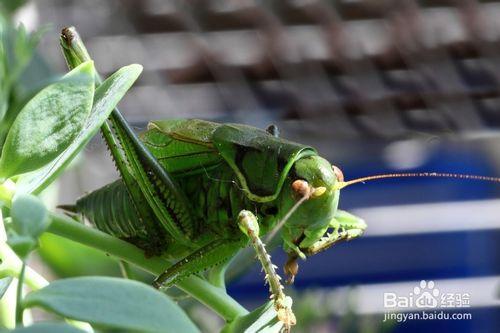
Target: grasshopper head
[314, 180]
[311, 200]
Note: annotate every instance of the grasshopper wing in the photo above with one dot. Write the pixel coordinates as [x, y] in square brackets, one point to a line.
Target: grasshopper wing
[183, 147]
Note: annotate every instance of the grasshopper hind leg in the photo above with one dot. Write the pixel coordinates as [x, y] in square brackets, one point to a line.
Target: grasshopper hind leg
[208, 256]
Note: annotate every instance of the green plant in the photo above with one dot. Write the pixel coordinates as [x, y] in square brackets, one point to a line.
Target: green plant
[45, 134]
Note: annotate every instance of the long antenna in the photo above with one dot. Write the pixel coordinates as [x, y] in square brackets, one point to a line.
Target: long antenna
[285, 218]
[341, 185]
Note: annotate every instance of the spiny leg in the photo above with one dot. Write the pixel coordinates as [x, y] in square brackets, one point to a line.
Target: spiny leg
[148, 182]
[210, 255]
[282, 303]
[153, 192]
[139, 203]
[345, 227]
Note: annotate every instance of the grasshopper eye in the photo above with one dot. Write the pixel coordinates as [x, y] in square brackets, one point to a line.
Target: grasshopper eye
[301, 187]
[338, 173]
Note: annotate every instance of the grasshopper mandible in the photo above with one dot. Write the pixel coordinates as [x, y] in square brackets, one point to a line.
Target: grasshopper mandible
[197, 192]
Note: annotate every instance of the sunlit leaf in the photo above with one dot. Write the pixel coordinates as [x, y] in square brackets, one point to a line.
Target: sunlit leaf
[112, 303]
[47, 328]
[49, 122]
[107, 96]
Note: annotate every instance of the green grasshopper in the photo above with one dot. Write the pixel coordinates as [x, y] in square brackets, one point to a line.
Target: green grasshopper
[217, 187]
[197, 192]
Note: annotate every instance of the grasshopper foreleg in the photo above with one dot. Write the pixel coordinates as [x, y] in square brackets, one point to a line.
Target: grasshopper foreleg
[282, 303]
[344, 227]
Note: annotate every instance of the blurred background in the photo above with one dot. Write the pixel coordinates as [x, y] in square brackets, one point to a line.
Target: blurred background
[375, 86]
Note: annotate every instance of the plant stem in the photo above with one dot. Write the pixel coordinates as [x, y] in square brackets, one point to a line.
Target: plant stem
[10, 304]
[19, 296]
[11, 266]
[213, 297]
[8, 307]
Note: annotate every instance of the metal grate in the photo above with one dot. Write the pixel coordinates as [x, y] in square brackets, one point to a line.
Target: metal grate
[385, 69]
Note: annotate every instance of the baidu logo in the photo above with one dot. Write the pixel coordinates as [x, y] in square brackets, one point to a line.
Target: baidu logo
[426, 295]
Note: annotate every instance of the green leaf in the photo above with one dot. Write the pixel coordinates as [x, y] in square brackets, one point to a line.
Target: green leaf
[47, 328]
[22, 245]
[107, 96]
[11, 5]
[262, 320]
[112, 303]
[29, 216]
[49, 122]
[29, 220]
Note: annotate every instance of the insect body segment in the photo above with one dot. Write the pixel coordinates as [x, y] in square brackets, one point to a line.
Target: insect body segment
[113, 200]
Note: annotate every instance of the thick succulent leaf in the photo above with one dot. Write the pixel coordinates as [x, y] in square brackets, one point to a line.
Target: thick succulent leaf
[262, 320]
[29, 220]
[112, 303]
[47, 328]
[107, 96]
[29, 216]
[49, 122]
